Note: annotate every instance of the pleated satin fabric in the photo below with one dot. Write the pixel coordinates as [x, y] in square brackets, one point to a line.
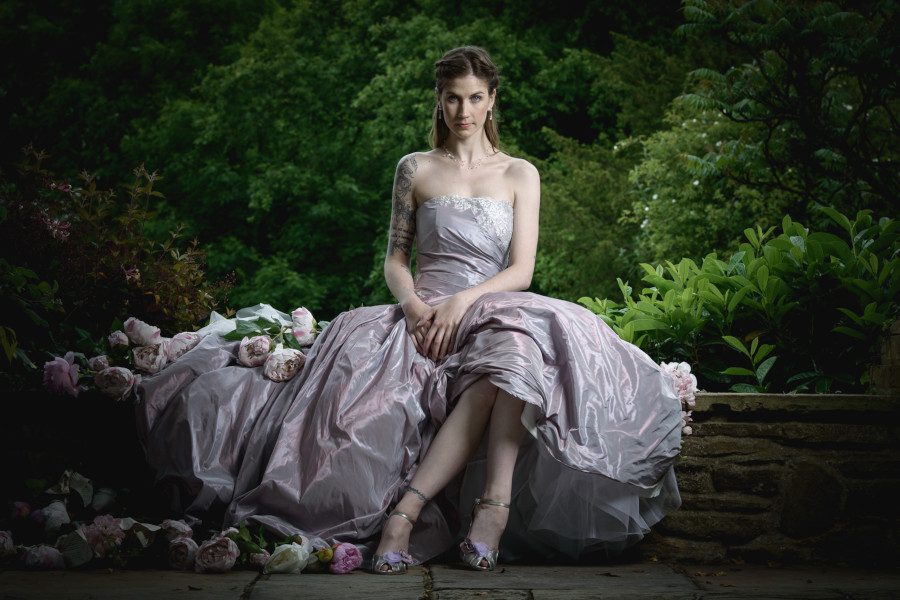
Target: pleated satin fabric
[328, 452]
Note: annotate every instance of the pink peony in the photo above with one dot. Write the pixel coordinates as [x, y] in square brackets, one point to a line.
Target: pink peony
[304, 326]
[61, 375]
[253, 351]
[44, 557]
[183, 553]
[216, 555]
[259, 559]
[283, 363]
[114, 382]
[117, 339]
[140, 333]
[20, 510]
[104, 535]
[175, 529]
[149, 359]
[181, 343]
[7, 548]
[346, 558]
[98, 363]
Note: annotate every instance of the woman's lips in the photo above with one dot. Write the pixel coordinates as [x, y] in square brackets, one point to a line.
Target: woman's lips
[464, 125]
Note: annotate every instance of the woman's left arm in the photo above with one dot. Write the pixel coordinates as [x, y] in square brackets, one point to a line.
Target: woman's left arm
[445, 317]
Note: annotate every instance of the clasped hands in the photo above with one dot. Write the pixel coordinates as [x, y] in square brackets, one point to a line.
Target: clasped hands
[433, 328]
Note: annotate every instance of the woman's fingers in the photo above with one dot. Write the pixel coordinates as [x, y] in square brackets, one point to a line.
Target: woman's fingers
[435, 346]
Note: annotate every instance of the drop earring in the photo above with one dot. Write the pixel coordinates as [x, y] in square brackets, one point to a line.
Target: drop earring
[490, 115]
[440, 113]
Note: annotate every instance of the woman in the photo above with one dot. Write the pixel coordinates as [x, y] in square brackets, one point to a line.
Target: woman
[333, 450]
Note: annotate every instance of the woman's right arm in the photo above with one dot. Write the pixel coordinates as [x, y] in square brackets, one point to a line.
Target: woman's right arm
[399, 251]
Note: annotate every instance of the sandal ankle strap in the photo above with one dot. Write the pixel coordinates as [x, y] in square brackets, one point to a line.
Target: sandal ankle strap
[403, 515]
[491, 502]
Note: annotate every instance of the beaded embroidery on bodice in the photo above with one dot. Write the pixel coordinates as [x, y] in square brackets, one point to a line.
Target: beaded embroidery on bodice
[493, 215]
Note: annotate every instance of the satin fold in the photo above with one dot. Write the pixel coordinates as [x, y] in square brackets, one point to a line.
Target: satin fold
[329, 452]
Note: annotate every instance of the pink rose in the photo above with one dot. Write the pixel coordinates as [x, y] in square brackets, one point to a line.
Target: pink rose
[283, 363]
[98, 363]
[44, 557]
[114, 382]
[140, 333]
[259, 559]
[149, 359]
[181, 343]
[7, 548]
[346, 558]
[183, 553]
[175, 529]
[216, 555]
[117, 339]
[104, 535]
[253, 351]
[304, 326]
[61, 375]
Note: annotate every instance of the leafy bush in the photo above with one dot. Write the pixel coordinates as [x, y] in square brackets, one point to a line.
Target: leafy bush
[802, 311]
[76, 260]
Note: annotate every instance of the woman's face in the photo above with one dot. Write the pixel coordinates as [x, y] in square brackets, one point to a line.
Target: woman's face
[466, 102]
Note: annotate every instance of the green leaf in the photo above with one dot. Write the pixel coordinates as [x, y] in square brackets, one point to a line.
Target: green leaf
[744, 388]
[764, 368]
[851, 332]
[736, 344]
[738, 371]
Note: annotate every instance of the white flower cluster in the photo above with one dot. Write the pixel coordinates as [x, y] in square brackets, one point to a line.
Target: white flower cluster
[686, 389]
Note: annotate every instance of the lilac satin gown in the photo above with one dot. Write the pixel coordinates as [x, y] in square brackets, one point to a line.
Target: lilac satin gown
[328, 452]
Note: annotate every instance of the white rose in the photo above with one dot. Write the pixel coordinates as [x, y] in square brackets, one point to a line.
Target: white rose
[182, 553]
[150, 359]
[283, 363]
[98, 363]
[117, 339]
[216, 555]
[56, 516]
[303, 326]
[114, 382]
[253, 351]
[287, 558]
[140, 333]
[175, 529]
[181, 343]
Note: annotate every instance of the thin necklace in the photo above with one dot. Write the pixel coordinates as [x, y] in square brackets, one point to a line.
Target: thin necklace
[475, 163]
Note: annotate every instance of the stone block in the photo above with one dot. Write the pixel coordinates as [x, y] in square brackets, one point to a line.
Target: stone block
[794, 433]
[721, 446]
[725, 527]
[872, 497]
[657, 546]
[772, 546]
[813, 496]
[885, 378]
[762, 480]
[726, 502]
[693, 478]
[353, 586]
[728, 404]
[867, 465]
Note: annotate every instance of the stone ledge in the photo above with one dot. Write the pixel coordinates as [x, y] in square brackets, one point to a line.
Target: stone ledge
[795, 403]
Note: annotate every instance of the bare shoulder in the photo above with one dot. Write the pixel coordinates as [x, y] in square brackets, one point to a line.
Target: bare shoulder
[524, 179]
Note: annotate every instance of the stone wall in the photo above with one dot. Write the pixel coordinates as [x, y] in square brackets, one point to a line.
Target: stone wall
[787, 478]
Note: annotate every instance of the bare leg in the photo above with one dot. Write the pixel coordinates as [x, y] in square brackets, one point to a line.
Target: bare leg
[454, 443]
[504, 438]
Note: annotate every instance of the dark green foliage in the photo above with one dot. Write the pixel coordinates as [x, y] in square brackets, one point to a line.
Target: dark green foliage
[77, 261]
[802, 311]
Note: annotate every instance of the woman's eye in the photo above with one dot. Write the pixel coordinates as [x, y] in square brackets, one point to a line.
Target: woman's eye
[476, 98]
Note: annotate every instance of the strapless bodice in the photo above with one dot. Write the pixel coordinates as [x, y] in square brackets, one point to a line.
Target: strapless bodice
[460, 242]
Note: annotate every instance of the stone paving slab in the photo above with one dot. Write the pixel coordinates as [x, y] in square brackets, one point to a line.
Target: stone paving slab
[117, 585]
[796, 582]
[552, 581]
[358, 585]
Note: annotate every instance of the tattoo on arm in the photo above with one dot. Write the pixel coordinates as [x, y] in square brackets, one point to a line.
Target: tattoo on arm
[403, 214]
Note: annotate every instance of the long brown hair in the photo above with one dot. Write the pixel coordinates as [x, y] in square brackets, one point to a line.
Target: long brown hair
[459, 62]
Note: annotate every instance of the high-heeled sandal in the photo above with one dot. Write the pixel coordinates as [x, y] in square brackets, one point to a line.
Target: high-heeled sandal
[472, 553]
[397, 561]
